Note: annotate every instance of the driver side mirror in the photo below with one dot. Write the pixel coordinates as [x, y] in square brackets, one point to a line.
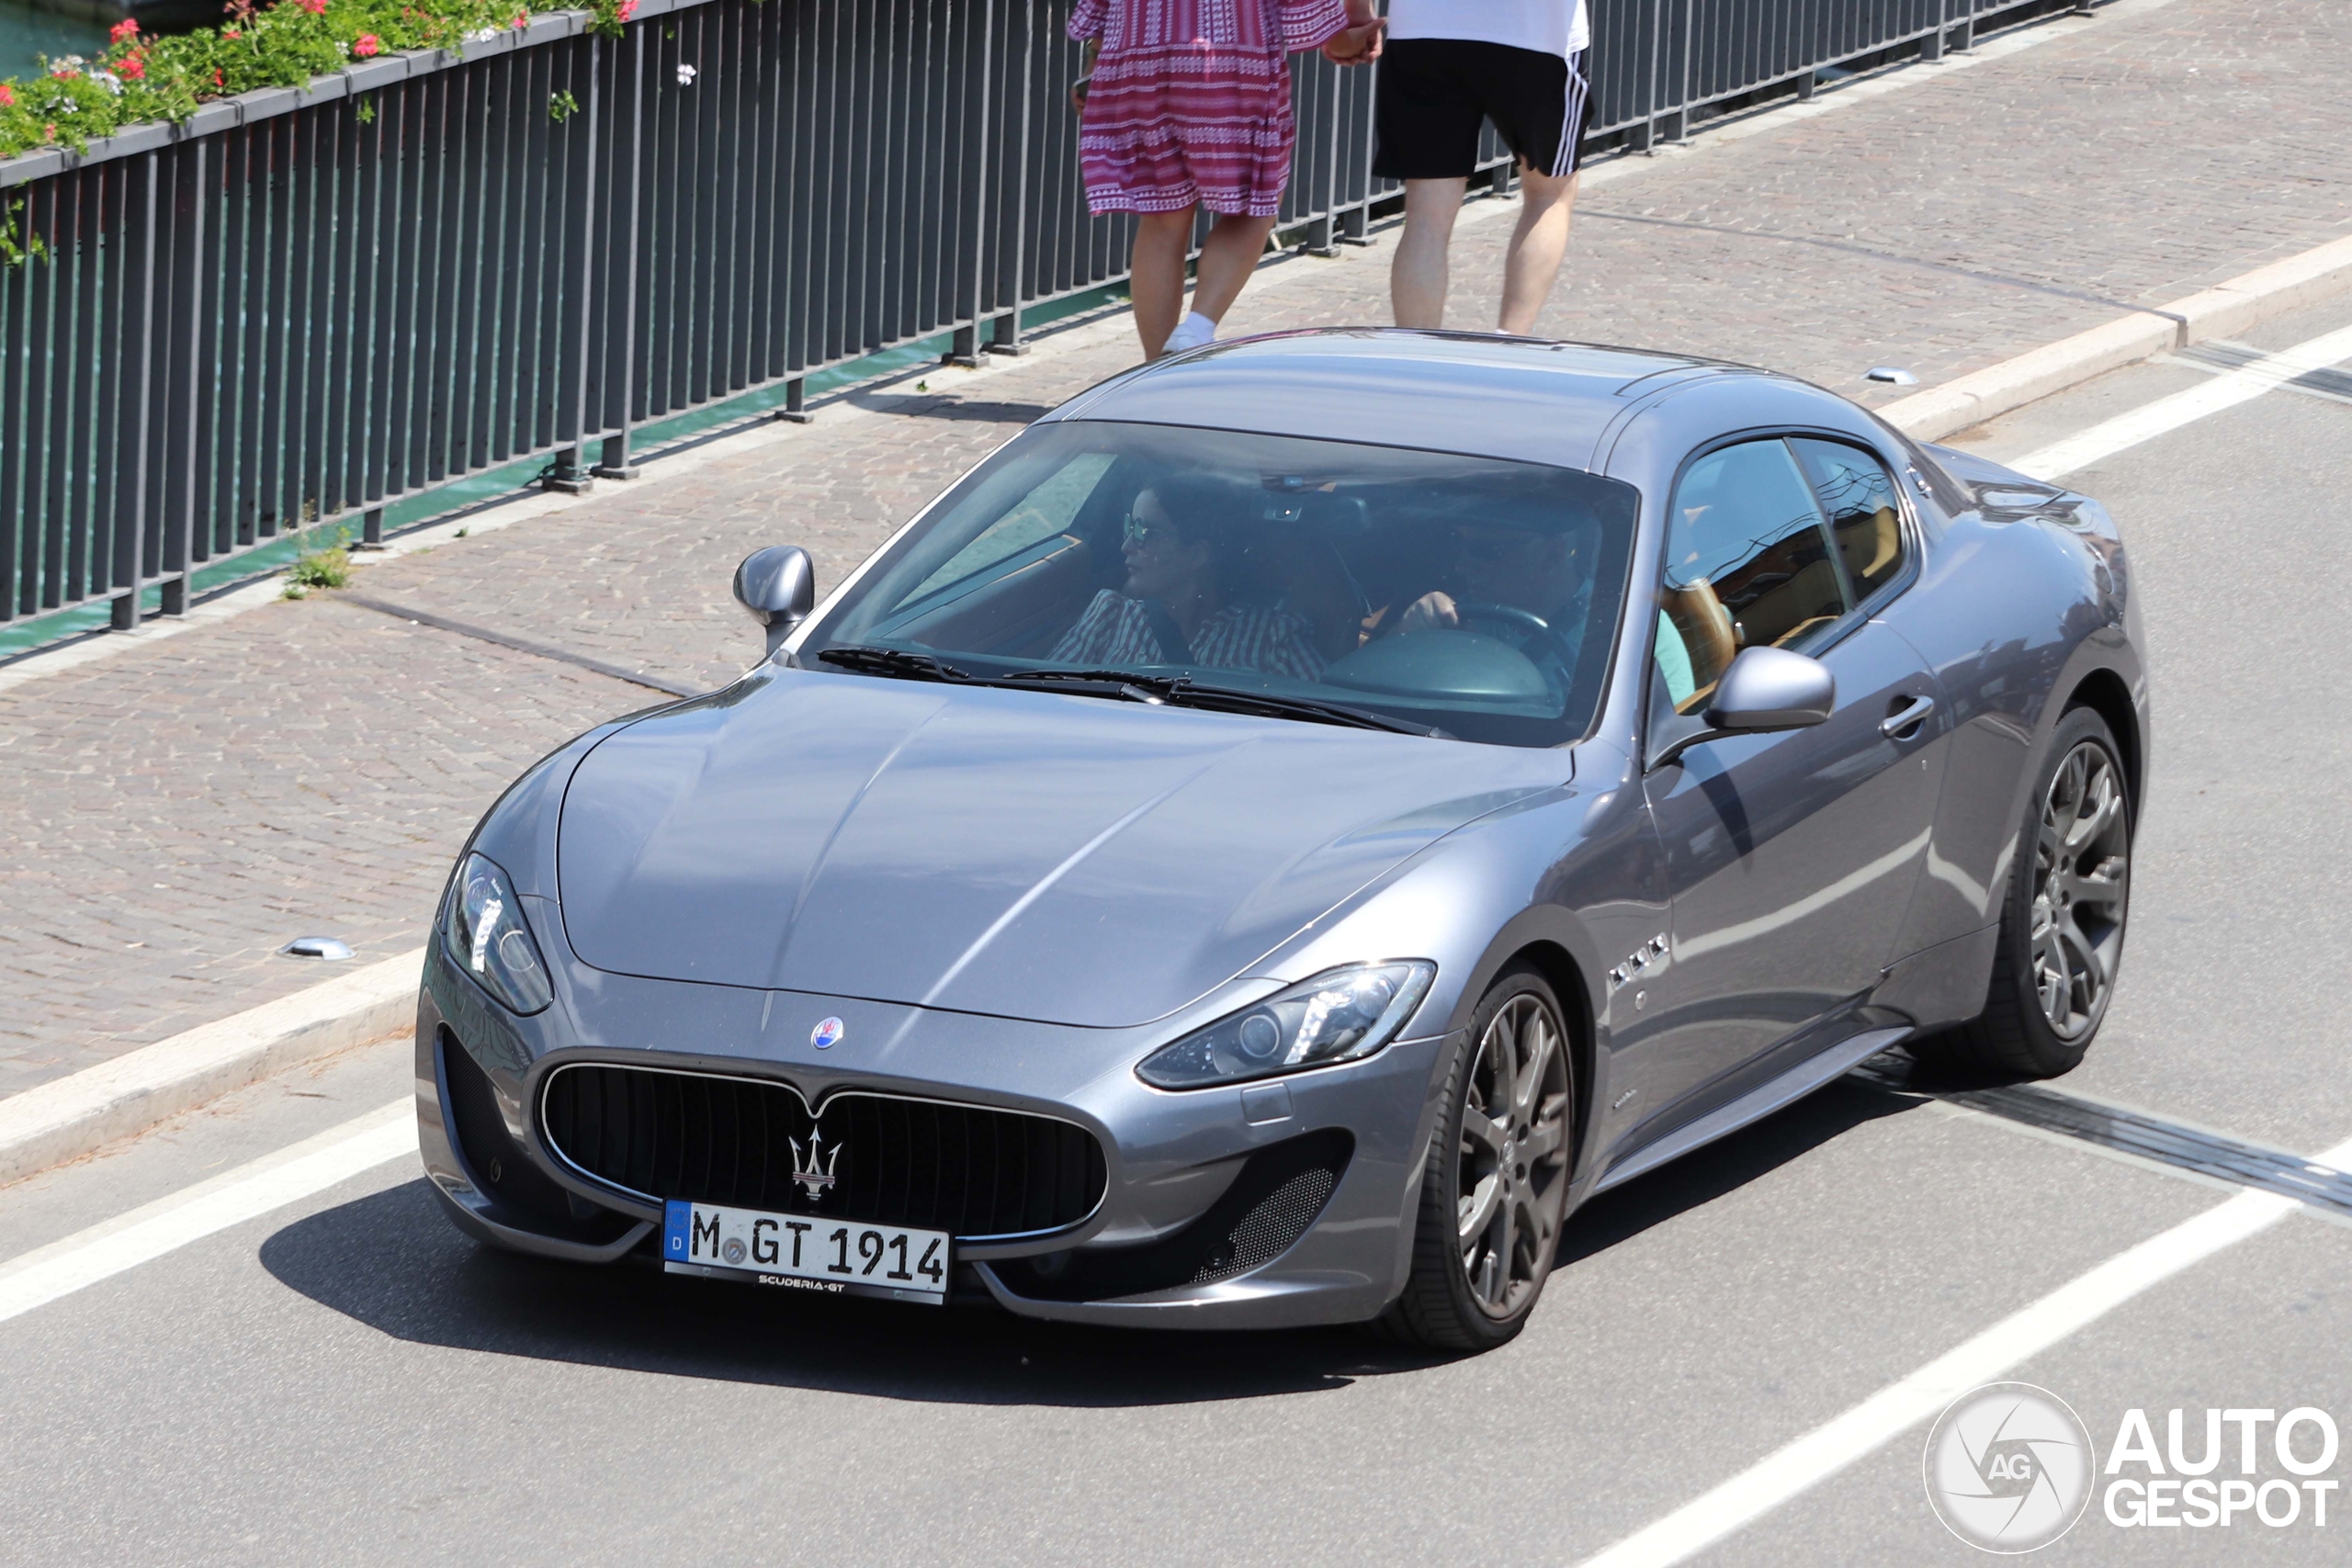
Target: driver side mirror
[778, 586]
[1766, 689]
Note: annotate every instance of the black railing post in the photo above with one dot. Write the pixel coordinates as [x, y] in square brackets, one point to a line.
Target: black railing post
[1013, 159]
[182, 388]
[138, 393]
[619, 198]
[570, 473]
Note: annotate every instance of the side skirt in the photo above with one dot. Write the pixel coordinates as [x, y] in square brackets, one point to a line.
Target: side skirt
[1757, 1103]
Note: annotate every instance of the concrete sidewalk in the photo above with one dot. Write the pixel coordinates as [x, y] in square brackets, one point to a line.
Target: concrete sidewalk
[182, 808]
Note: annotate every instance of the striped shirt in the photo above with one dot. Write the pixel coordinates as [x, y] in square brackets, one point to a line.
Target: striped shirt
[1117, 630]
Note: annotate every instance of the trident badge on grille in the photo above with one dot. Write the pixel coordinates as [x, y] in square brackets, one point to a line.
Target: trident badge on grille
[814, 1172]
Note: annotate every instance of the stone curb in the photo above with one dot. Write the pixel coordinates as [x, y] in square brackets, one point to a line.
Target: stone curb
[2226, 308]
[70, 1117]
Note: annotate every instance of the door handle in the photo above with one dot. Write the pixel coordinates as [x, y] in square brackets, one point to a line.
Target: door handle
[1908, 716]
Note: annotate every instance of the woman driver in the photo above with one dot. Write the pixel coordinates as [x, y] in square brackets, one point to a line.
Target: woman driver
[1172, 609]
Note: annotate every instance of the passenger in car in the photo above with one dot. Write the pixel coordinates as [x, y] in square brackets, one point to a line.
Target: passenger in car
[1172, 607]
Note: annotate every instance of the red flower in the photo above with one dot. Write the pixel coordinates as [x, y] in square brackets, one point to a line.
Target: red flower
[131, 67]
[219, 81]
[229, 33]
[365, 45]
[7, 98]
[522, 19]
[627, 9]
[316, 8]
[126, 28]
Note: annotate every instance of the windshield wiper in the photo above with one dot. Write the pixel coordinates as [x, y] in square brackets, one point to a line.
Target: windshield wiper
[1232, 699]
[1182, 691]
[896, 662]
[1179, 691]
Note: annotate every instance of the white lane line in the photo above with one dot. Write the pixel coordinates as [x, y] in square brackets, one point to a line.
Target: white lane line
[1886, 1415]
[108, 1248]
[2103, 440]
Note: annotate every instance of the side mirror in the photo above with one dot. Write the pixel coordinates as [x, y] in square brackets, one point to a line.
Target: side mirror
[1770, 688]
[778, 586]
[1766, 689]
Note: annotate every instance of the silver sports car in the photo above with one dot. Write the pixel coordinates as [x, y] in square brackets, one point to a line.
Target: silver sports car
[1288, 828]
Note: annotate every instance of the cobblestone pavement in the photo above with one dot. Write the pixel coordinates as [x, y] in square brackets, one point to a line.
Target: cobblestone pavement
[178, 811]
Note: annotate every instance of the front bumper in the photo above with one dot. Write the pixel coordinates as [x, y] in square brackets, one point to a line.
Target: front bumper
[1200, 1185]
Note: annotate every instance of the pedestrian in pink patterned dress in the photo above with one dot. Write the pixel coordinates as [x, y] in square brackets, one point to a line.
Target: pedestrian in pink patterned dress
[1188, 105]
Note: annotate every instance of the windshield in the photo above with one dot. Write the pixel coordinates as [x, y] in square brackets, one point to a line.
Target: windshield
[1468, 594]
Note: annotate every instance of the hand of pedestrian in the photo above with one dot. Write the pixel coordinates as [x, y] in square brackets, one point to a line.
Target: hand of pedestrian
[1078, 94]
[1357, 45]
[1093, 47]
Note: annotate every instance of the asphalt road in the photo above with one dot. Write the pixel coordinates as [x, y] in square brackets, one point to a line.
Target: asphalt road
[344, 1379]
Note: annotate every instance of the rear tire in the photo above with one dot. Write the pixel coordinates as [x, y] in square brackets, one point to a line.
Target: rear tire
[1496, 1188]
[2063, 921]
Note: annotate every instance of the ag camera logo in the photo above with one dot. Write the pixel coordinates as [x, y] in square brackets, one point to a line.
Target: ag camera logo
[2009, 1467]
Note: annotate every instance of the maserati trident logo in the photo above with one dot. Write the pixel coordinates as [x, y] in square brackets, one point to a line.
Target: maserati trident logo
[814, 1171]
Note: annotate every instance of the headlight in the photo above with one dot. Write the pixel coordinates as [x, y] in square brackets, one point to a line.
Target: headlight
[1339, 1015]
[485, 936]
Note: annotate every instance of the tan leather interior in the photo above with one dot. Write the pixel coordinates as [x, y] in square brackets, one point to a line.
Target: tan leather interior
[1706, 630]
[1870, 546]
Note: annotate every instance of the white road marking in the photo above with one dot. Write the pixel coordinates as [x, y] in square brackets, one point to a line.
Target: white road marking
[1886, 1415]
[41, 1276]
[2107, 438]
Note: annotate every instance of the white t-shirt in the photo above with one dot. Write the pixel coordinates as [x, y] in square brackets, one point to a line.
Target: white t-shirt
[1547, 27]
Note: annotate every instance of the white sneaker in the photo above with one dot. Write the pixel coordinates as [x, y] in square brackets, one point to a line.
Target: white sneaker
[1193, 331]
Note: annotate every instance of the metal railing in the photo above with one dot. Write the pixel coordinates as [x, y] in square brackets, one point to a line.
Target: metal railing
[304, 304]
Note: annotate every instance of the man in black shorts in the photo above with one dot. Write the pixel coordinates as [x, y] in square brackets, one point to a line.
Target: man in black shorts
[1445, 67]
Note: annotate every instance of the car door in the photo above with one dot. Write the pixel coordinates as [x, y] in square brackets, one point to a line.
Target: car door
[1791, 858]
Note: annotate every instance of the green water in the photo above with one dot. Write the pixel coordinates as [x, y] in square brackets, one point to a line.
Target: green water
[26, 35]
[500, 483]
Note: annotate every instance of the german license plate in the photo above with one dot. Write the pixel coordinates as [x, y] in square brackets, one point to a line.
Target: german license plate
[805, 1252]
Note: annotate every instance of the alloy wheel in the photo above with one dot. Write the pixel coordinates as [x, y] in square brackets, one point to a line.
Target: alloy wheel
[2082, 867]
[1513, 1154]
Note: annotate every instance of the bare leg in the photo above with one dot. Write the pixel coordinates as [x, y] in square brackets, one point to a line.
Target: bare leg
[1418, 276]
[1228, 259]
[1157, 281]
[1537, 245]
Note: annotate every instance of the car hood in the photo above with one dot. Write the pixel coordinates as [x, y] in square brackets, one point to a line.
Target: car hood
[1064, 858]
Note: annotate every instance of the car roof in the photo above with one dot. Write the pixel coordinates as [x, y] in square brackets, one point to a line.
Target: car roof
[1528, 399]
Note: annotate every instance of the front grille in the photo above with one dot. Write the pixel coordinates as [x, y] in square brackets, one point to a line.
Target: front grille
[965, 1169]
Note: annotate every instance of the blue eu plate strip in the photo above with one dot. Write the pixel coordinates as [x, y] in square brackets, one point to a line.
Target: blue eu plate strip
[676, 1217]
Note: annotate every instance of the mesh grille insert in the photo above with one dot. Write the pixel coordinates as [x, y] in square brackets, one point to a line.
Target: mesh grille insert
[965, 1169]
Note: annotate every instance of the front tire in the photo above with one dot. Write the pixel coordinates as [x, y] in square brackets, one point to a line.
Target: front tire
[2062, 924]
[1496, 1189]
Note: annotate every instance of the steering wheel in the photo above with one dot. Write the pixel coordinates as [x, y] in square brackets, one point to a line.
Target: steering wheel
[1535, 631]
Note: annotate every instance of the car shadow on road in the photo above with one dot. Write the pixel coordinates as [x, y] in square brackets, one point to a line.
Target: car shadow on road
[1706, 1174]
[392, 1262]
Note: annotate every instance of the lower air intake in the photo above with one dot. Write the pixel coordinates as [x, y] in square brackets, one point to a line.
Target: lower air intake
[1281, 1190]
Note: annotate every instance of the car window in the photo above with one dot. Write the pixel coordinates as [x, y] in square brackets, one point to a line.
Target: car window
[1748, 564]
[1471, 594]
[1045, 510]
[1859, 495]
